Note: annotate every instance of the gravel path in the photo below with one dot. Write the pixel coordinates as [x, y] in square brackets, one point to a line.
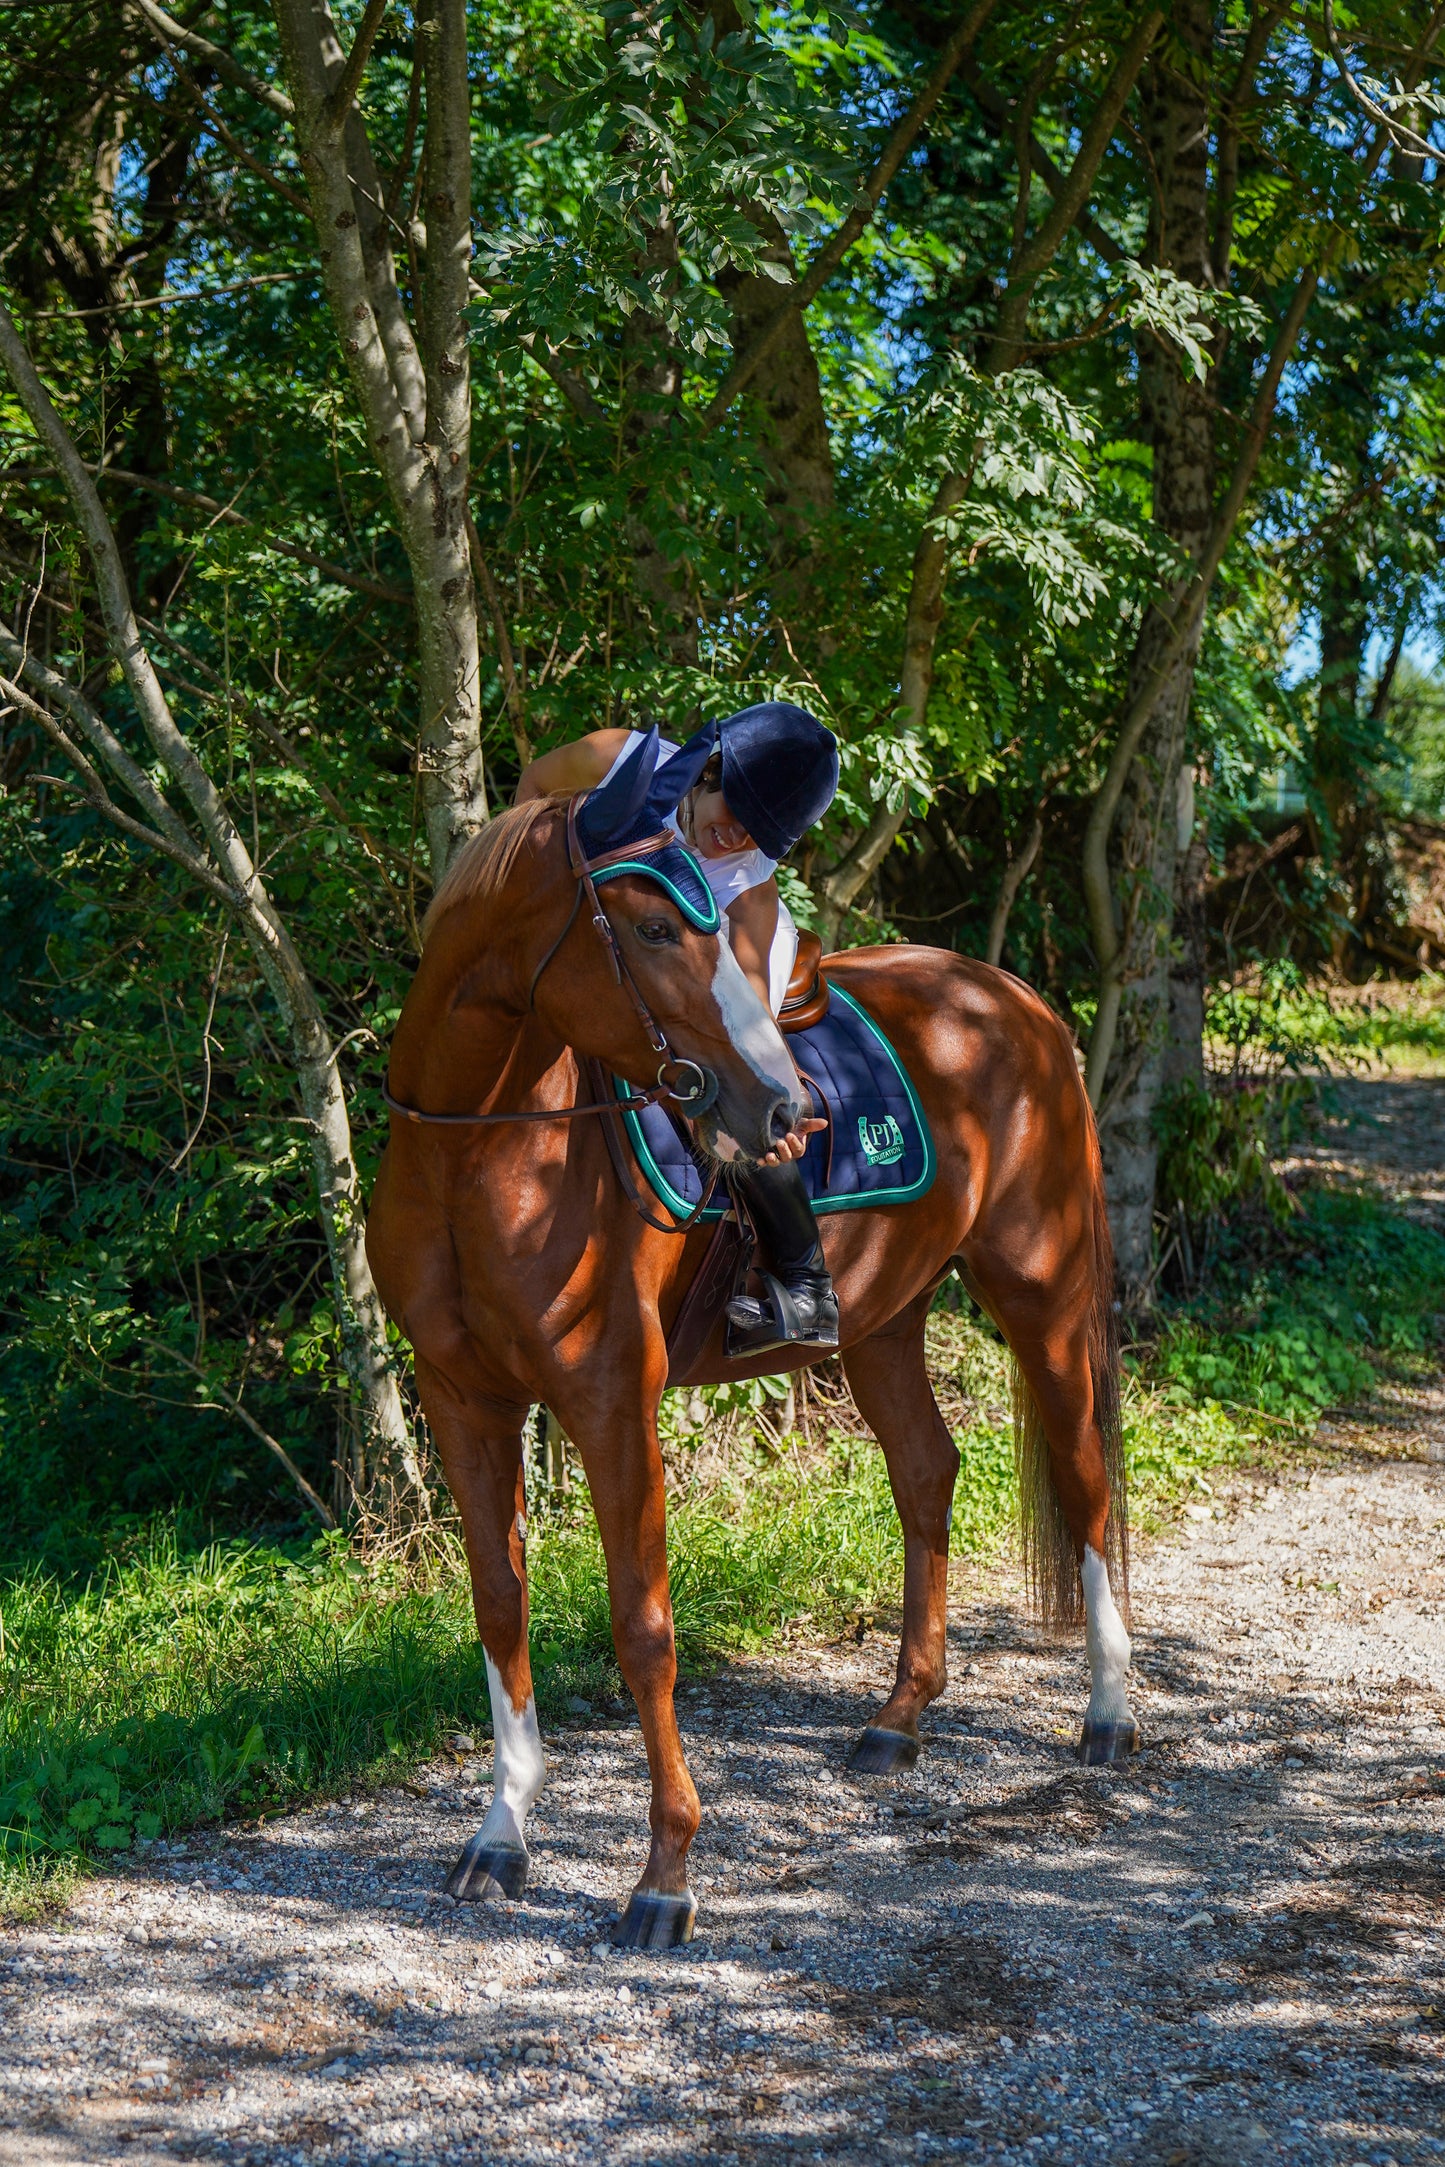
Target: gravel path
[1229, 1950]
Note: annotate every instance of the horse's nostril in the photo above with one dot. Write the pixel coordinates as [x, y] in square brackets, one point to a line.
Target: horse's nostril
[780, 1122]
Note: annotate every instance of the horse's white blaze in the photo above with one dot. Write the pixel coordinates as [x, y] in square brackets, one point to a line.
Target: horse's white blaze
[748, 1024]
[1107, 1644]
[518, 1765]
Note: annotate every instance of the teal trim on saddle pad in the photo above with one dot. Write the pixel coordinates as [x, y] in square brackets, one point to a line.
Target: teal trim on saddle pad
[654, 868]
[878, 1123]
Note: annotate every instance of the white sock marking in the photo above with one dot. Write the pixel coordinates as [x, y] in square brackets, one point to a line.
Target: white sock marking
[1107, 1644]
[518, 1766]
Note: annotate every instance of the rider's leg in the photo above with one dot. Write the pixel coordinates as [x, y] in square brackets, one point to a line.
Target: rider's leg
[799, 1304]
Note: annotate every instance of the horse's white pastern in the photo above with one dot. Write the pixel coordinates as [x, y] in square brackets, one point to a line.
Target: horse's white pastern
[1107, 1644]
[518, 1765]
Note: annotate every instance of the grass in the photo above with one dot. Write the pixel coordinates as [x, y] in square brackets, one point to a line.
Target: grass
[189, 1684]
[1277, 1019]
[192, 1681]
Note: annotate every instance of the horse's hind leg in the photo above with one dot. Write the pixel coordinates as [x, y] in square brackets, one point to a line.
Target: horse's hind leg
[1067, 1426]
[889, 1381]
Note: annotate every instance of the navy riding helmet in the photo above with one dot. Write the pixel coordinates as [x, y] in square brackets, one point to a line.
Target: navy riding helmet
[779, 772]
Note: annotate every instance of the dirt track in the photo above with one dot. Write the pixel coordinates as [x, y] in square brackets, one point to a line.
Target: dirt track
[1228, 1951]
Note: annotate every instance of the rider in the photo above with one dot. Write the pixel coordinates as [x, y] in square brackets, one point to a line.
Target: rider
[773, 774]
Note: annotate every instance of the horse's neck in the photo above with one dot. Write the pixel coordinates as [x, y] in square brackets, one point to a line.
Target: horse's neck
[465, 1033]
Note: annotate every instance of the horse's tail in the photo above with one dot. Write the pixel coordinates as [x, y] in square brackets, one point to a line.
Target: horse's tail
[1051, 1562]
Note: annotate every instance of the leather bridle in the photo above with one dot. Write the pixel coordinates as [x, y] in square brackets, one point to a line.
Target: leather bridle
[695, 1100]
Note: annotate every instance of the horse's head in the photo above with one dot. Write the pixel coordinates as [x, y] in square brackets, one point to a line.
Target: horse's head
[671, 945]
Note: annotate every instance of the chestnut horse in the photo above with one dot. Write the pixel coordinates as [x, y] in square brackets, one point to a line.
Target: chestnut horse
[507, 1254]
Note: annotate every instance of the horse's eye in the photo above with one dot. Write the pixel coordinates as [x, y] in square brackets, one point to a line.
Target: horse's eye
[657, 932]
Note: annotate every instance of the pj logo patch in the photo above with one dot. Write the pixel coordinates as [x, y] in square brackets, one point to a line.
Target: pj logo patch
[881, 1141]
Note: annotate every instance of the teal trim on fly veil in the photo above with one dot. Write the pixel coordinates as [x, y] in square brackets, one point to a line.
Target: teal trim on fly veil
[704, 913]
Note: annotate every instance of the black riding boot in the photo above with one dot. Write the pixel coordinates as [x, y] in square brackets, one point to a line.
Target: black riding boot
[799, 1305]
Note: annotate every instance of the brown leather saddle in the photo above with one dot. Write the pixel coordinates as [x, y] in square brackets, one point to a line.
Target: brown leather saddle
[723, 1271]
[806, 1000]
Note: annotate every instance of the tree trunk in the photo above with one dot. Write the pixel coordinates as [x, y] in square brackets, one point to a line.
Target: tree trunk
[224, 866]
[1177, 421]
[413, 388]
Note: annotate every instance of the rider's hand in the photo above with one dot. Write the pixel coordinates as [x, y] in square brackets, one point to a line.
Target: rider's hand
[794, 1144]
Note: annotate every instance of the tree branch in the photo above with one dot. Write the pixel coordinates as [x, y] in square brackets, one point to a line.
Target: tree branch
[361, 1324]
[511, 687]
[995, 109]
[227, 1405]
[1009, 333]
[1188, 608]
[100, 736]
[1005, 351]
[173, 33]
[343, 98]
[1261, 27]
[1015, 874]
[1401, 137]
[95, 794]
[865, 205]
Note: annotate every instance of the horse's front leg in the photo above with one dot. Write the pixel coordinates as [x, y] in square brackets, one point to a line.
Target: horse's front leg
[624, 1473]
[481, 1454]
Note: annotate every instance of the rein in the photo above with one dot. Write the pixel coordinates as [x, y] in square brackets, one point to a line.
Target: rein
[696, 1100]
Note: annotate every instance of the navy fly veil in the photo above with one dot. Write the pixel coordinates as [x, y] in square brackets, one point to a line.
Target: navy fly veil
[877, 1148]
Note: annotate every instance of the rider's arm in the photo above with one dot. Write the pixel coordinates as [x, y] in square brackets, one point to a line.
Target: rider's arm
[752, 922]
[569, 768]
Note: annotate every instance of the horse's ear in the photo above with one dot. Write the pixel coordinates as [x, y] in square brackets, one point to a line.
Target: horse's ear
[615, 805]
[677, 775]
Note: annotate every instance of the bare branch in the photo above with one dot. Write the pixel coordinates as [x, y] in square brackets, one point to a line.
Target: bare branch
[361, 1322]
[252, 164]
[101, 738]
[1024, 274]
[164, 300]
[1015, 873]
[224, 63]
[995, 109]
[571, 386]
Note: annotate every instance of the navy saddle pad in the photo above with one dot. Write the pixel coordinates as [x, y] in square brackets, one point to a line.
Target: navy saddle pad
[877, 1148]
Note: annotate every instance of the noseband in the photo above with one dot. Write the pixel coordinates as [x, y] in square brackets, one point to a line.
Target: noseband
[700, 1094]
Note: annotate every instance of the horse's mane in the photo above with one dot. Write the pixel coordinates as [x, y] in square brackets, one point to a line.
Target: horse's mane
[483, 866]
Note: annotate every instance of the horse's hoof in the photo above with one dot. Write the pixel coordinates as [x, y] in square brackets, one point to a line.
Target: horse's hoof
[653, 1921]
[487, 1869]
[1103, 1742]
[879, 1752]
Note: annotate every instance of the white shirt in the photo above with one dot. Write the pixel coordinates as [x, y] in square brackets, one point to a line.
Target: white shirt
[731, 877]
